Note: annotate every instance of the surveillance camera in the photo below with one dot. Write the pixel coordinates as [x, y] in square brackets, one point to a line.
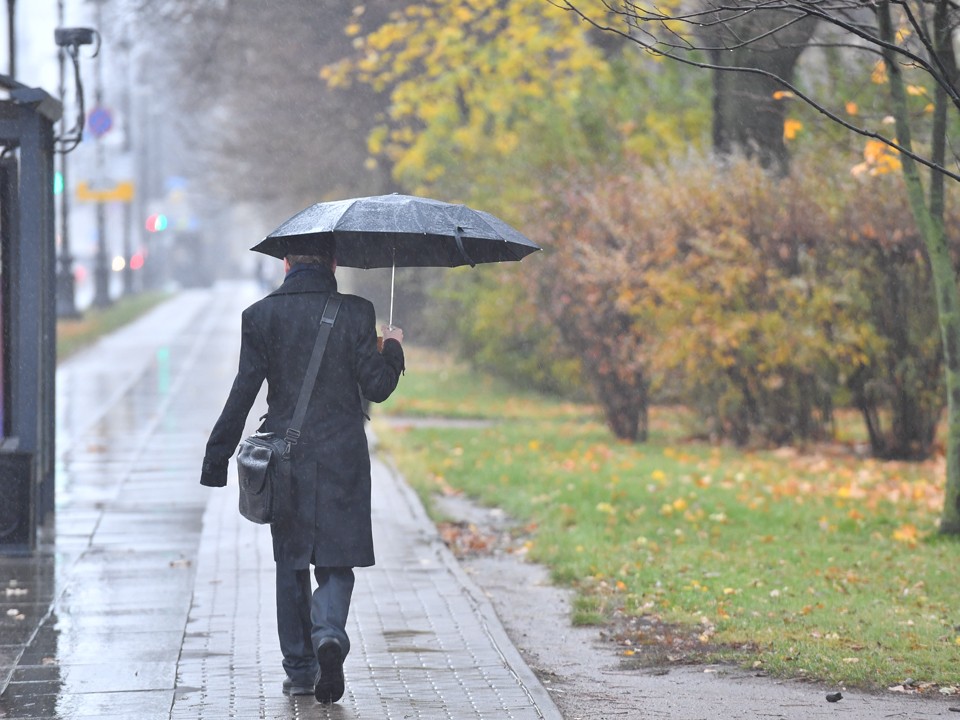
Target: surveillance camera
[67, 37]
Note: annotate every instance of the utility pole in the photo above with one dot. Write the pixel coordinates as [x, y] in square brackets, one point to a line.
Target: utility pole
[12, 37]
[125, 47]
[66, 284]
[101, 268]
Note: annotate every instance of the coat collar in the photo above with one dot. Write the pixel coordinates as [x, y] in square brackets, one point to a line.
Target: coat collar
[318, 280]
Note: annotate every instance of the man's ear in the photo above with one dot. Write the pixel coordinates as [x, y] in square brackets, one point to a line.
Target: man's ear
[286, 266]
[333, 265]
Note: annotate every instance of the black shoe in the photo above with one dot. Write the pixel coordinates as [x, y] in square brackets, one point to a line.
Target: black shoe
[292, 687]
[329, 685]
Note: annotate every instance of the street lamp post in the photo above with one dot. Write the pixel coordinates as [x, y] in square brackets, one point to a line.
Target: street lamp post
[12, 37]
[101, 267]
[66, 285]
[124, 46]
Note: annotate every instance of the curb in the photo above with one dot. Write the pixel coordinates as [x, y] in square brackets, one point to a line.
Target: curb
[484, 610]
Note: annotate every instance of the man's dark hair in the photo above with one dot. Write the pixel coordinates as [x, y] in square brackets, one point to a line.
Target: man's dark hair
[310, 259]
[324, 254]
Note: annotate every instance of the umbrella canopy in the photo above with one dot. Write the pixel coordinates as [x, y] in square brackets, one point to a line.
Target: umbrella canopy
[398, 231]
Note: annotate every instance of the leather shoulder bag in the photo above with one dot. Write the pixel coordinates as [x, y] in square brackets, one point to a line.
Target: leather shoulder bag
[263, 459]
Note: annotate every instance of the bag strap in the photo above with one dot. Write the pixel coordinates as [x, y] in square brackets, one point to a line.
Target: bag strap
[329, 317]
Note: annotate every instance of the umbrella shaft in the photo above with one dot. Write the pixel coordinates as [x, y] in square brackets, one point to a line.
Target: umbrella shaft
[393, 275]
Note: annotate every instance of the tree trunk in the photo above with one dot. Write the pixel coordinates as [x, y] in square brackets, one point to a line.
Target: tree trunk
[625, 406]
[746, 115]
[944, 277]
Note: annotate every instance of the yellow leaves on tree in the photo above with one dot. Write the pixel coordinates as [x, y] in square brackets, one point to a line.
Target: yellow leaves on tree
[879, 74]
[469, 79]
[878, 159]
[791, 127]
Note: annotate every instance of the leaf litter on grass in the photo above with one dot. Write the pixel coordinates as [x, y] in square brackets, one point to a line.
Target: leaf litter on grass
[807, 564]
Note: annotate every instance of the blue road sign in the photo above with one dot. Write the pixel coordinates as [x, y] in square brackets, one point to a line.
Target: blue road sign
[99, 121]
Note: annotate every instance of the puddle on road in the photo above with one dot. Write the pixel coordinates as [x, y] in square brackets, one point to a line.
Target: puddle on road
[392, 636]
[389, 634]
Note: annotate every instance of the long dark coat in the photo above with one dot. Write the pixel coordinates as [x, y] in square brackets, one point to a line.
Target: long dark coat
[330, 525]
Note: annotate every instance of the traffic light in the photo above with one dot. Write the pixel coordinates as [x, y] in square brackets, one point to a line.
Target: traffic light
[57, 182]
[156, 223]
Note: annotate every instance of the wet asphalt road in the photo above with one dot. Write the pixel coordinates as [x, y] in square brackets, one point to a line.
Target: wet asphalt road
[151, 598]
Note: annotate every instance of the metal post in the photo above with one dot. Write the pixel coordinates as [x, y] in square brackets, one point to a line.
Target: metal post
[12, 36]
[101, 272]
[9, 302]
[124, 46]
[37, 268]
[18, 478]
[28, 120]
[101, 267]
[127, 249]
[66, 283]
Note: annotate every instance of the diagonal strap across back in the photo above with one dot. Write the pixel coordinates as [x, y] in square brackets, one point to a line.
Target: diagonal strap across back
[327, 320]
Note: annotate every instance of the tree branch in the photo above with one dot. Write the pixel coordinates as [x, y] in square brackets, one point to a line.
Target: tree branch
[568, 5]
[830, 14]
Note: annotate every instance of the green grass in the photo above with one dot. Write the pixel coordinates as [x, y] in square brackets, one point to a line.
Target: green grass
[809, 564]
[74, 335]
[440, 387]
[588, 610]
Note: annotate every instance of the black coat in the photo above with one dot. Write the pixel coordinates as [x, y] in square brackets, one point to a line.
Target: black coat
[331, 462]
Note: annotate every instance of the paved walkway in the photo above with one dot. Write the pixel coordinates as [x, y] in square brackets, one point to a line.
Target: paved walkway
[152, 598]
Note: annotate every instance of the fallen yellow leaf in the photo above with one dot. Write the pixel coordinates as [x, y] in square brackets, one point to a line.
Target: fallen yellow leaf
[906, 533]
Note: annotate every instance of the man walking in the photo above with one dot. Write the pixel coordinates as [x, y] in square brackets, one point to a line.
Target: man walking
[327, 523]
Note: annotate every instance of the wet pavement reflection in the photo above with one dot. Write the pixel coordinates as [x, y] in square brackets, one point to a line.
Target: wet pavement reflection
[105, 600]
[150, 597]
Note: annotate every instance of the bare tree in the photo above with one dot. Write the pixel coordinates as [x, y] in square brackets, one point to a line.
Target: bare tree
[909, 38]
[259, 120]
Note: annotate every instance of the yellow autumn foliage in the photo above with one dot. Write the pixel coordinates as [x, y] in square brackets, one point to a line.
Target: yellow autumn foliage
[485, 98]
[878, 159]
[469, 78]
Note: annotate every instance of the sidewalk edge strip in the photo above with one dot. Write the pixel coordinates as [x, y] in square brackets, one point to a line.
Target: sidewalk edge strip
[483, 608]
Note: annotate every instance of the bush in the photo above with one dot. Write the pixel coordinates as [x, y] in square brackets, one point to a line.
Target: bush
[593, 265]
[756, 312]
[759, 302]
[489, 318]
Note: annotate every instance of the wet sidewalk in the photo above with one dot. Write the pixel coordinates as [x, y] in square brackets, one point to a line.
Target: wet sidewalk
[152, 597]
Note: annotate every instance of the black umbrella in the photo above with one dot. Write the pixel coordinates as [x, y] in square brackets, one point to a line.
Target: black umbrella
[398, 230]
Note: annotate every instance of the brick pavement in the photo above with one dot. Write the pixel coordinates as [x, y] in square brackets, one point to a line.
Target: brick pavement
[155, 599]
[425, 642]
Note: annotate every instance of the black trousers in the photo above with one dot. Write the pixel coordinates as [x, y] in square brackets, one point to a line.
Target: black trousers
[305, 619]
